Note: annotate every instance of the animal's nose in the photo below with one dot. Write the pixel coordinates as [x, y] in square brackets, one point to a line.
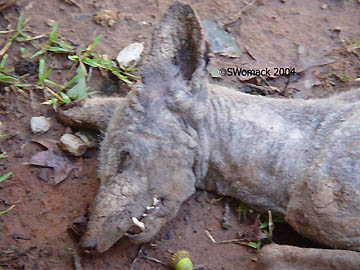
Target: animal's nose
[90, 247]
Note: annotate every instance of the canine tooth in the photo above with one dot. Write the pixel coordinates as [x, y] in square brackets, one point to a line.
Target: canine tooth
[155, 201]
[138, 223]
[149, 207]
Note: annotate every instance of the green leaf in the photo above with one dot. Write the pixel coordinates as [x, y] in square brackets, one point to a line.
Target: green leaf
[53, 35]
[20, 22]
[26, 36]
[53, 83]
[24, 53]
[345, 78]
[6, 78]
[254, 244]
[79, 90]
[74, 58]
[59, 50]
[3, 154]
[22, 85]
[39, 52]
[64, 44]
[73, 79]
[42, 75]
[3, 61]
[41, 67]
[41, 81]
[65, 97]
[94, 44]
[51, 101]
[5, 176]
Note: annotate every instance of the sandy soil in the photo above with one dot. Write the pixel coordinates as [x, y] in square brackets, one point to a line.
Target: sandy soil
[35, 234]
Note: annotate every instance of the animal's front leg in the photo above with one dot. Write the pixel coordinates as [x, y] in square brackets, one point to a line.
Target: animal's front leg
[91, 113]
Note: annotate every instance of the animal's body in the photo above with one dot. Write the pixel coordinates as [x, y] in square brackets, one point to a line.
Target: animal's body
[177, 132]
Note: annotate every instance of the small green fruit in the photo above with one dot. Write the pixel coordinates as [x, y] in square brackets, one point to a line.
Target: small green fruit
[181, 260]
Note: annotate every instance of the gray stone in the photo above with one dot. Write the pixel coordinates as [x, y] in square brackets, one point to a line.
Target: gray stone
[40, 124]
[130, 55]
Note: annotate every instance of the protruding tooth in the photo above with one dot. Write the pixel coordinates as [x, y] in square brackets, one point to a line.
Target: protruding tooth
[149, 207]
[155, 201]
[138, 223]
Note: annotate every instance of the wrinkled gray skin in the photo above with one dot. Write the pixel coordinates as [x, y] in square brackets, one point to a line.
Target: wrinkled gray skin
[297, 158]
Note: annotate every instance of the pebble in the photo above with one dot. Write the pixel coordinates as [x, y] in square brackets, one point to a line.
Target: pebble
[324, 6]
[130, 55]
[73, 144]
[40, 124]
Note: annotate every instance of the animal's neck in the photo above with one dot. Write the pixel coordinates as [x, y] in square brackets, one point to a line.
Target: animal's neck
[260, 147]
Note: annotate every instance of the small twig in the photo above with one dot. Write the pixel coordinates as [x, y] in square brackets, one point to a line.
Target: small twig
[72, 2]
[229, 241]
[265, 81]
[225, 220]
[32, 38]
[249, 53]
[210, 236]
[271, 224]
[154, 260]
[7, 31]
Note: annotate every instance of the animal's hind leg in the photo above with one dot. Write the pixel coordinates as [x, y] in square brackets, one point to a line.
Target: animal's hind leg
[277, 257]
[91, 113]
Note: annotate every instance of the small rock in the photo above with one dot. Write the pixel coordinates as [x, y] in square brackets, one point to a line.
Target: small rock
[29, 5]
[221, 41]
[145, 23]
[130, 55]
[105, 17]
[50, 22]
[73, 144]
[40, 124]
[324, 6]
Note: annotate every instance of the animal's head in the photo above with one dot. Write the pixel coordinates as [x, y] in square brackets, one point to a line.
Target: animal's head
[150, 157]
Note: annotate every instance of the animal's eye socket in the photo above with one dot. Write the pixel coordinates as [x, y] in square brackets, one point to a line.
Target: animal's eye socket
[123, 161]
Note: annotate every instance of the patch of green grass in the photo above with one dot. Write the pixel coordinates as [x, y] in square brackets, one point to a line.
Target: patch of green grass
[76, 88]
[88, 57]
[55, 44]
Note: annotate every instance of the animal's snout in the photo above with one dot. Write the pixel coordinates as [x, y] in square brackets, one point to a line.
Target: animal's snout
[90, 247]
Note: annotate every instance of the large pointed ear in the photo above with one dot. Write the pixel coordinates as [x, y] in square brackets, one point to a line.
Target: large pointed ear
[175, 69]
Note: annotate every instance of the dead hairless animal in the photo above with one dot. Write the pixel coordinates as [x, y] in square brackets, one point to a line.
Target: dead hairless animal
[297, 158]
